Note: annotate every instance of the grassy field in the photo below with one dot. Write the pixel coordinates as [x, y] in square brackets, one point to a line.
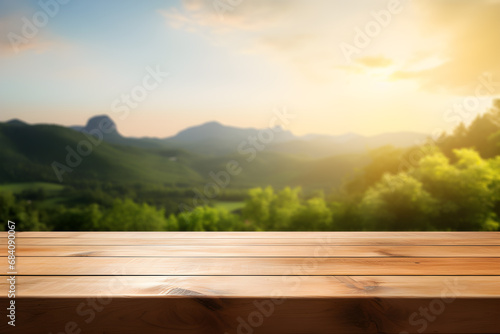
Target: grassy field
[19, 187]
[229, 206]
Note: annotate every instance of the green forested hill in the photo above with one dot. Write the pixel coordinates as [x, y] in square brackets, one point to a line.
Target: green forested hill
[34, 152]
[28, 152]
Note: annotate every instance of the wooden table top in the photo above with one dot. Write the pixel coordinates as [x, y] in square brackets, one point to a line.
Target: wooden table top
[295, 265]
[218, 264]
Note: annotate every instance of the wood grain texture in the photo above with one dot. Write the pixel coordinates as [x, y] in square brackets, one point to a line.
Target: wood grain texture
[306, 251]
[261, 286]
[253, 266]
[255, 282]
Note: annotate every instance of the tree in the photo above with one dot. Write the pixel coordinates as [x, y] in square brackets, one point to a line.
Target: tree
[466, 191]
[397, 202]
[478, 135]
[205, 218]
[87, 218]
[125, 215]
[22, 212]
[313, 216]
[257, 206]
[282, 208]
[172, 223]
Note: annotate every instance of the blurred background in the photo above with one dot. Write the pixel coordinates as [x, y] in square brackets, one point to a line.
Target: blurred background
[221, 115]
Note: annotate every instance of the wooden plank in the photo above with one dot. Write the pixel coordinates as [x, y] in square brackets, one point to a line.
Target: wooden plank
[246, 235]
[257, 251]
[254, 266]
[261, 286]
[257, 316]
[374, 241]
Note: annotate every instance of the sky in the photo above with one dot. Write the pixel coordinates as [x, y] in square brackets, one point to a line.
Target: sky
[157, 67]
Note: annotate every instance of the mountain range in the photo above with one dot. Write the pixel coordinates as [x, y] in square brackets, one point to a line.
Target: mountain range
[215, 139]
[97, 151]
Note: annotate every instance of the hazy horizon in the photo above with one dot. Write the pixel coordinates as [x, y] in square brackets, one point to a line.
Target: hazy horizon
[201, 124]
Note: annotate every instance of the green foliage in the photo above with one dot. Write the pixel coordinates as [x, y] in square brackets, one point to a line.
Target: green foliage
[30, 186]
[172, 223]
[384, 160]
[22, 212]
[314, 215]
[282, 209]
[257, 206]
[482, 135]
[229, 205]
[205, 218]
[125, 215]
[397, 202]
[437, 195]
[465, 191]
[78, 219]
[286, 210]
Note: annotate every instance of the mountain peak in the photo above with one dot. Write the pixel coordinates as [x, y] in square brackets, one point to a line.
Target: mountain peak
[203, 131]
[212, 124]
[96, 120]
[102, 123]
[16, 121]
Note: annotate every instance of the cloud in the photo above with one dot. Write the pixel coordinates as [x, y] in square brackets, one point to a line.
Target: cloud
[288, 31]
[470, 36]
[220, 16]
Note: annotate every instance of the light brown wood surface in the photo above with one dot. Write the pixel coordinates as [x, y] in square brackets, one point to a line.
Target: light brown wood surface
[238, 286]
[85, 266]
[297, 251]
[218, 282]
